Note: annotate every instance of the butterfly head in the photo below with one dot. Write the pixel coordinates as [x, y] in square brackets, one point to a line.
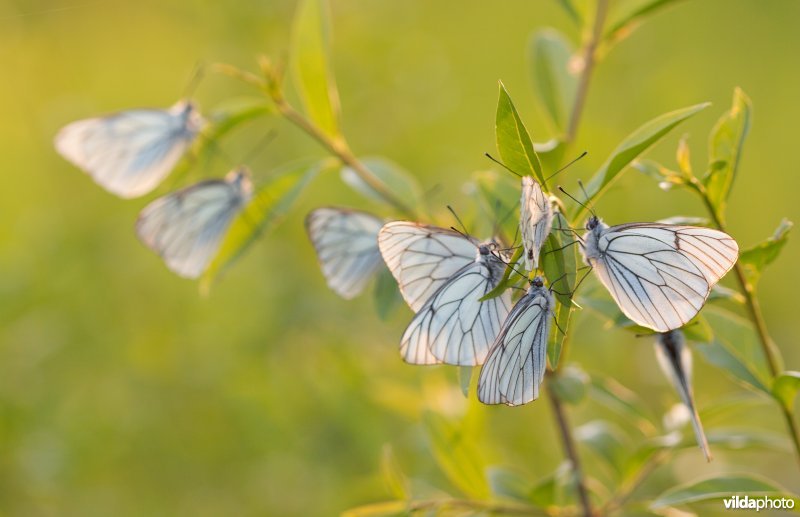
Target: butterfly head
[537, 282]
[189, 115]
[240, 179]
[592, 223]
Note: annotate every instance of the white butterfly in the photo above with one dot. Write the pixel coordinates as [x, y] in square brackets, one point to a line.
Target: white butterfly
[346, 242]
[535, 222]
[186, 227]
[659, 274]
[675, 360]
[129, 153]
[518, 359]
[445, 274]
[422, 258]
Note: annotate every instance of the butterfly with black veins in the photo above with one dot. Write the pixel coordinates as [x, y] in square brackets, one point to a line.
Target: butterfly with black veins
[535, 221]
[518, 358]
[346, 243]
[129, 153]
[675, 360]
[660, 275]
[186, 227]
[445, 274]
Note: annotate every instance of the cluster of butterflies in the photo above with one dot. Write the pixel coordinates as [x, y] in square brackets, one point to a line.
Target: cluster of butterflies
[131, 152]
[660, 276]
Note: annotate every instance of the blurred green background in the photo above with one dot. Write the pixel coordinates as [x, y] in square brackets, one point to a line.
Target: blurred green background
[122, 391]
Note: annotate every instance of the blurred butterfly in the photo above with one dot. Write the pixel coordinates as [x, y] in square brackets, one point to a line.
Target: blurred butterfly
[659, 274]
[518, 358]
[675, 360]
[536, 219]
[442, 275]
[186, 227]
[346, 242]
[129, 153]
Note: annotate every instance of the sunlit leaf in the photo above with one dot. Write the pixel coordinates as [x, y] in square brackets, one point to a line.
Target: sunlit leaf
[393, 476]
[457, 455]
[264, 211]
[628, 14]
[683, 157]
[386, 294]
[720, 292]
[560, 263]
[555, 83]
[310, 63]
[635, 144]
[396, 179]
[756, 259]
[513, 140]
[716, 488]
[665, 177]
[725, 150]
[571, 384]
[785, 388]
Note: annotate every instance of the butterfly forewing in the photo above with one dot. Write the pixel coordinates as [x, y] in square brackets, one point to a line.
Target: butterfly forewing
[453, 326]
[129, 153]
[186, 227]
[422, 258]
[536, 220]
[346, 242]
[517, 361]
[659, 275]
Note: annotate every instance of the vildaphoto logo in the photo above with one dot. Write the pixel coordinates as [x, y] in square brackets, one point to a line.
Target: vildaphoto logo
[745, 502]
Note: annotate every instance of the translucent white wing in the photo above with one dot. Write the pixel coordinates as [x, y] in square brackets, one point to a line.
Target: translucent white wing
[422, 258]
[346, 242]
[453, 327]
[675, 360]
[131, 152]
[518, 359]
[660, 275]
[186, 227]
[535, 220]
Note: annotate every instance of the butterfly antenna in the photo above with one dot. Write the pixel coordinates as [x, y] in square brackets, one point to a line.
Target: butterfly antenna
[588, 201]
[198, 72]
[503, 165]
[463, 226]
[584, 153]
[508, 264]
[575, 199]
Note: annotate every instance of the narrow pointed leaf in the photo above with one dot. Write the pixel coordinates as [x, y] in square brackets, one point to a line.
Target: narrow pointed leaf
[393, 477]
[716, 488]
[785, 388]
[555, 83]
[560, 264]
[513, 140]
[756, 259]
[457, 455]
[628, 14]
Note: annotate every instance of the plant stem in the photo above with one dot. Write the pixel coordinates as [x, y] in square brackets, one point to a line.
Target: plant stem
[589, 60]
[337, 146]
[571, 452]
[754, 310]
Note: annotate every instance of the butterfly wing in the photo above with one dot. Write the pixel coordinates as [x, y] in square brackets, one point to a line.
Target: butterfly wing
[660, 275]
[675, 361]
[422, 258]
[453, 327]
[518, 359]
[186, 227]
[346, 242]
[131, 152]
[536, 220]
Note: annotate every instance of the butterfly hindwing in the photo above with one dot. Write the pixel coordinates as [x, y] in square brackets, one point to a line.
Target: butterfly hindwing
[536, 220]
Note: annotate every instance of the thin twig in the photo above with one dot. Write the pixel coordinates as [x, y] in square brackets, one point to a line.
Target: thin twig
[754, 310]
[589, 60]
[571, 452]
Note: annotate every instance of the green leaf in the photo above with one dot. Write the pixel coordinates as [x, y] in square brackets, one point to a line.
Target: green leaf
[393, 477]
[635, 144]
[628, 14]
[310, 64]
[551, 154]
[745, 439]
[571, 384]
[572, 11]
[605, 440]
[720, 292]
[396, 179]
[665, 177]
[555, 488]
[716, 488]
[382, 509]
[513, 141]
[264, 211]
[499, 194]
[683, 157]
[385, 293]
[507, 280]
[560, 265]
[756, 259]
[622, 401]
[457, 455]
[785, 388]
[508, 484]
[725, 150]
[555, 83]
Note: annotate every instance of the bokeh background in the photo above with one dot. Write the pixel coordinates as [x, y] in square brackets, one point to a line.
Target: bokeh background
[123, 391]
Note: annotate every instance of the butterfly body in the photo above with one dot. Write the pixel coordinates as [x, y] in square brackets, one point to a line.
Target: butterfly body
[659, 274]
